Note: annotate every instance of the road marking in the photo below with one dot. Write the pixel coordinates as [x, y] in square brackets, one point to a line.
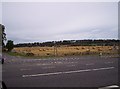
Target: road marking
[110, 87]
[70, 65]
[59, 62]
[103, 68]
[43, 64]
[73, 62]
[67, 72]
[48, 67]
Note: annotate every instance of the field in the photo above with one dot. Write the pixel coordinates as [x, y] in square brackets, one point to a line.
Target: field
[65, 50]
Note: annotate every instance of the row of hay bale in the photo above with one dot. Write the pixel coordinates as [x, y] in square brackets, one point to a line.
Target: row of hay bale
[64, 51]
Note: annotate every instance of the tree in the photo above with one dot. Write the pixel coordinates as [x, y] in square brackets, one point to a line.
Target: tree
[3, 36]
[9, 45]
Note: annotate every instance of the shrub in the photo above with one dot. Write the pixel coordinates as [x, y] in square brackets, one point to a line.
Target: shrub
[30, 54]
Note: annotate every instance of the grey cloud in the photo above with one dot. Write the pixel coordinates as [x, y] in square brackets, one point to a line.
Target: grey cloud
[29, 22]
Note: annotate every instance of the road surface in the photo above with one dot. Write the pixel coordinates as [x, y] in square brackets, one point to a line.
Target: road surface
[78, 71]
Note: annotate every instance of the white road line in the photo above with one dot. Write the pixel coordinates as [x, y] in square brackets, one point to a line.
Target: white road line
[68, 72]
[109, 87]
[104, 68]
[43, 64]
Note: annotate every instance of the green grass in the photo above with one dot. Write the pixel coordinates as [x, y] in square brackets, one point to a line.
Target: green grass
[52, 56]
[16, 54]
[25, 56]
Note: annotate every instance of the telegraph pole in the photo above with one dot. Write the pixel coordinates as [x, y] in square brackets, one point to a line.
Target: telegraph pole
[55, 49]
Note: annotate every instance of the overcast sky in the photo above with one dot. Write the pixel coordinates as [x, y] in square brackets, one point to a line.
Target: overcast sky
[40, 22]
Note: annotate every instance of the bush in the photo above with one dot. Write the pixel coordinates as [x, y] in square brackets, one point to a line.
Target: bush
[30, 54]
[9, 45]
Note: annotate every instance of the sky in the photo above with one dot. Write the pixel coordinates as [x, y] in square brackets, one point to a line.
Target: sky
[53, 21]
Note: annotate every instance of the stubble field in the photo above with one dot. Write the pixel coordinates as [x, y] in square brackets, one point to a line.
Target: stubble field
[65, 50]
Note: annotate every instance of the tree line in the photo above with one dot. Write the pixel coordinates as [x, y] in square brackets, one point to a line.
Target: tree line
[107, 42]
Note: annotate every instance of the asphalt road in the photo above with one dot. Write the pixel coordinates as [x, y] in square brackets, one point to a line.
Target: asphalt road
[84, 71]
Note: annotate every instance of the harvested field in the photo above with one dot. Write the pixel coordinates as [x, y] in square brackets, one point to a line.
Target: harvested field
[65, 51]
